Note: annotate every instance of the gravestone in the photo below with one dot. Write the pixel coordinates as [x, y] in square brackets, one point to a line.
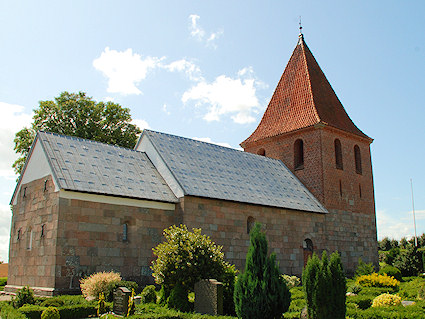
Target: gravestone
[209, 297]
[121, 298]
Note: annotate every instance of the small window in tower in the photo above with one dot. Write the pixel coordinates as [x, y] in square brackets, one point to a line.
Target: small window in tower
[360, 190]
[358, 159]
[19, 234]
[338, 154]
[45, 185]
[125, 232]
[249, 224]
[43, 231]
[261, 152]
[340, 188]
[298, 154]
[25, 192]
[29, 239]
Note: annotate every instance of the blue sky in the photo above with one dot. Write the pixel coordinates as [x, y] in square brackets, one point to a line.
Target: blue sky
[207, 69]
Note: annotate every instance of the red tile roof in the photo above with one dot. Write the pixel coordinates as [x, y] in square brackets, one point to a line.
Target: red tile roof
[303, 97]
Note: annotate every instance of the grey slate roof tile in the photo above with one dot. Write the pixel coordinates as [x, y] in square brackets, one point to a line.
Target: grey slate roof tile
[209, 170]
[88, 166]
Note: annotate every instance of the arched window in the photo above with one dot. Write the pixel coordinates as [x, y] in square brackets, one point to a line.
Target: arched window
[249, 224]
[338, 154]
[125, 232]
[298, 154]
[261, 152]
[358, 159]
[308, 244]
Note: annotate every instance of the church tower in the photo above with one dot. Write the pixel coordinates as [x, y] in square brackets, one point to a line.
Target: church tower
[307, 128]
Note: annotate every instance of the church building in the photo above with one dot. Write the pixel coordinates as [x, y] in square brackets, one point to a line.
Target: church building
[305, 174]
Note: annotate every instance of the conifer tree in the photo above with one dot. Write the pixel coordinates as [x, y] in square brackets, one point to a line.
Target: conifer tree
[325, 287]
[260, 292]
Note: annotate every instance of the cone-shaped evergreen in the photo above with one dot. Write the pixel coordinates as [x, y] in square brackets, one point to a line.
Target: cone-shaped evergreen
[260, 292]
[325, 287]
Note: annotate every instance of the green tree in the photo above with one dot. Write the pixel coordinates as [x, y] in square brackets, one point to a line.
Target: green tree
[76, 114]
[260, 292]
[324, 286]
[385, 244]
[185, 257]
[409, 261]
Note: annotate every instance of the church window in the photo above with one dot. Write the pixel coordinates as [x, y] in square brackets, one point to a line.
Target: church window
[308, 244]
[45, 185]
[25, 192]
[338, 154]
[340, 188]
[19, 234]
[298, 154]
[358, 159]
[261, 152]
[125, 232]
[43, 230]
[360, 190]
[29, 239]
[249, 224]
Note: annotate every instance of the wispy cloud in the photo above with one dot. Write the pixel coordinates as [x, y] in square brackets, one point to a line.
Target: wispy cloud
[236, 97]
[124, 69]
[142, 124]
[192, 71]
[399, 226]
[208, 140]
[197, 32]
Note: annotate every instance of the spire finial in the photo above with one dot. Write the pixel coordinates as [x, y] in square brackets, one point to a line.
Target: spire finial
[301, 27]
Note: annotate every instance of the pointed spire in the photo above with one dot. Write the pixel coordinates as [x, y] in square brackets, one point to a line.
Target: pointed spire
[302, 98]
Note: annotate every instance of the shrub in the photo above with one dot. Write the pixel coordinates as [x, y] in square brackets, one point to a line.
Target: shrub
[421, 292]
[291, 281]
[390, 271]
[32, 311]
[24, 296]
[364, 268]
[186, 257]
[391, 255]
[178, 298]
[325, 287]
[362, 301]
[50, 313]
[375, 280]
[386, 300]
[148, 294]
[52, 302]
[409, 261]
[3, 281]
[101, 282]
[355, 289]
[7, 311]
[101, 309]
[260, 292]
[78, 311]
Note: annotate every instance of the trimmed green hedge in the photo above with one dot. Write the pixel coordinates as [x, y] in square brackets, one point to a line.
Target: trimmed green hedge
[8, 312]
[66, 312]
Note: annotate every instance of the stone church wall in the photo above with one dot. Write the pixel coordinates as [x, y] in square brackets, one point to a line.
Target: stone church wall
[32, 252]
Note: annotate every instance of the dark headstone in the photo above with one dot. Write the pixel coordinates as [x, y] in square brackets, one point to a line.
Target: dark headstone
[121, 298]
[209, 297]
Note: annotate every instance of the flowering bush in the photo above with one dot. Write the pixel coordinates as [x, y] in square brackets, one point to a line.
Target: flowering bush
[291, 281]
[375, 280]
[101, 282]
[386, 300]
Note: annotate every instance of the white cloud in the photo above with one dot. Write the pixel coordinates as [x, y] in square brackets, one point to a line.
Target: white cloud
[192, 71]
[5, 218]
[399, 226]
[142, 124]
[236, 97]
[165, 109]
[124, 69]
[199, 33]
[208, 140]
[12, 119]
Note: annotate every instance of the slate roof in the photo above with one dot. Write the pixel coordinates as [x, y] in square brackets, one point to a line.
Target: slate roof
[87, 166]
[212, 171]
[302, 98]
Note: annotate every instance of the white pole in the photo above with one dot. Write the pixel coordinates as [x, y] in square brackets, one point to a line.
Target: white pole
[414, 217]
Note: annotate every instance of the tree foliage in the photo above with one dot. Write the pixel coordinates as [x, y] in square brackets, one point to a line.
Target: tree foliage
[409, 261]
[185, 257]
[76, 114]
[260, 292]
[325, 287]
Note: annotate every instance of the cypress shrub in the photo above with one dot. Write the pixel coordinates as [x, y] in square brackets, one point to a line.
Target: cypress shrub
[325, 287]
[260, 292]
[178, 298]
